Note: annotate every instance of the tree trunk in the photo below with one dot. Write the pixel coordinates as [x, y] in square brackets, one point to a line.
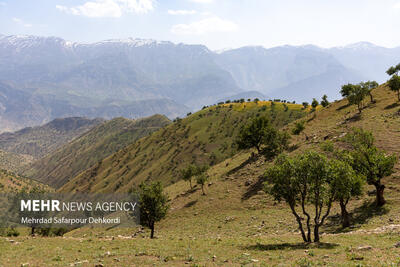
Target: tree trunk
[316, 233]
[345, 214]
[202, 189]
[372, 98]
[32, 231]
[298, 219]
[152, 230]
[359, 107]
[190, 182]
[380, 200]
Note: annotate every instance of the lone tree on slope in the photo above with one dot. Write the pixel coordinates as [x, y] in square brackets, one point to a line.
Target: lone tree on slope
[202, 179]
[347, 184]
[302, 180]
[368, 160]
[311, 178]
[260, 134]
[314, 103]
[369, 86]
[324, 101]
[394, 85]
[355, 94]
[187, 174]
[393, 70]
[153, 204]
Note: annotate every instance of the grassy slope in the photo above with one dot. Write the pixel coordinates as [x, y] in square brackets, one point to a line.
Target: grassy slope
[14, 162]
[40, 140]
[11, 182]
[237, 224]
[206, 137]
[96, 144]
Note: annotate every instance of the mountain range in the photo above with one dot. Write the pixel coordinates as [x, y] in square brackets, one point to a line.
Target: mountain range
[42, 78]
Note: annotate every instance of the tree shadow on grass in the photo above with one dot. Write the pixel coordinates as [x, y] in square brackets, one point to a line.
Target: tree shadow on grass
[188, 192]
[252, 159]
[190, 204]
[359, 216]
[291, 246]
[355, 117]
[343, 107]
[368, 210]
[392, 105]
[254, 188]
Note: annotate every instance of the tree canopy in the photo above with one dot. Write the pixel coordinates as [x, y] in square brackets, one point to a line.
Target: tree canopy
[355, 93]
[368, 160]
[154, 204]
[259, 133]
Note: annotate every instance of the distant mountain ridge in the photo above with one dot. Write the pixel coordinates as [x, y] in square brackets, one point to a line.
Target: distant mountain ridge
[40, 140]
[49, 77]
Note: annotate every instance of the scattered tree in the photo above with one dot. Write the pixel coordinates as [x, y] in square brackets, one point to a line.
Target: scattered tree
[301, 180]
[394, 85]
[346, 90]
[260, 134]
[314, 103]
[202, 179]
[347, 184]
[252, 134]
[298, 127]
[369, 86]
[324, 101]
[153, 204]
[368, 160]
[305, 105]
[187, 174]
[393, 70]
[355, 94]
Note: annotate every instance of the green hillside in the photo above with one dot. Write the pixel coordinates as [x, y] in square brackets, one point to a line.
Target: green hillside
[58, 167]
[40, 140]
[11, 182]
[206, 137]
[236, 223]
[14, 162]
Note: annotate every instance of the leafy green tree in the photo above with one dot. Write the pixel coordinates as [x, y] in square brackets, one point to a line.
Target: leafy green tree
[305, 105]
[263, 136]
[275, 142]
[187, 174]
[202, 179]
[298, 127]
[368, 160]
[346, 90]
[192, 171]
[393, 70]
[252, 134]
[301, 180]
[355, 94]
[256, 100]
[314, 103]
[324, 101]
[153, 204]
[394, 85]
[369, 86]
[347, 184]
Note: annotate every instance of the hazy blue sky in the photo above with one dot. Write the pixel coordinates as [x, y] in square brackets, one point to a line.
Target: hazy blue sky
[215, 23]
